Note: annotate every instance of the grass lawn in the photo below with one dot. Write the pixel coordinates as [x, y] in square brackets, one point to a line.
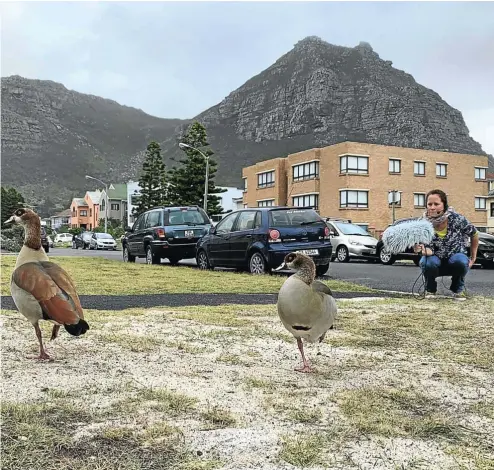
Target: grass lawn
[399, 384]
[109, 277]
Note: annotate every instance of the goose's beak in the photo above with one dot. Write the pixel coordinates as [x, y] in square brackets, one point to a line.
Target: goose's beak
[281, 267]
[9, 221]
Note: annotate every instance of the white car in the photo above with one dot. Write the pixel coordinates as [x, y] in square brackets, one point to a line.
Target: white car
[102, 241]
[63, 238]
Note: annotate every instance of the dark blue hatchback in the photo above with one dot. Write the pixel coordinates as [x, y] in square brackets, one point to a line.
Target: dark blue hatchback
[258, 239]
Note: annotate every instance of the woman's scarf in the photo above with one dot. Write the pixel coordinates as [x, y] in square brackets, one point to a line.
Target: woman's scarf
[437, 221]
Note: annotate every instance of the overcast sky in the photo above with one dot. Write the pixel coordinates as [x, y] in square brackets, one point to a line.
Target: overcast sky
[175, 59]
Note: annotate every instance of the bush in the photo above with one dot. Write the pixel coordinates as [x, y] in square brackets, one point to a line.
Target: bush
[12, 239]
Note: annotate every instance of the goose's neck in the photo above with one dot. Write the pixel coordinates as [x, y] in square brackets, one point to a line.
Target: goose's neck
[32, 235]
[307, 274]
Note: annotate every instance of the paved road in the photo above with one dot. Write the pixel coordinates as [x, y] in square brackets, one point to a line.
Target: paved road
[398, 277]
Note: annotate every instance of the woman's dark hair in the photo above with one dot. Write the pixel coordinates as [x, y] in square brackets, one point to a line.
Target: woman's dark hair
[442, 196]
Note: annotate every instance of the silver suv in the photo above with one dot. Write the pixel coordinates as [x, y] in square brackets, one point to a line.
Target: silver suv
[350, 241]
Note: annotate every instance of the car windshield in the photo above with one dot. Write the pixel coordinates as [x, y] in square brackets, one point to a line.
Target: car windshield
[351, 229]
[103, 235]
[187, 217]
[291, 217]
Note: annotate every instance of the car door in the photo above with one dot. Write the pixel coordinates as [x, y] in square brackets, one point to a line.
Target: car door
[219, 251]
[135, 236]
[241, 237]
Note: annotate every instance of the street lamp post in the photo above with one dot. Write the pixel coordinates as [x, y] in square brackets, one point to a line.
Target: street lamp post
[206, 183]
[106, 202]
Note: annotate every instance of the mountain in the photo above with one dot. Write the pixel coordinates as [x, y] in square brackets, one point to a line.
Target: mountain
[52, 137]
[317, 94]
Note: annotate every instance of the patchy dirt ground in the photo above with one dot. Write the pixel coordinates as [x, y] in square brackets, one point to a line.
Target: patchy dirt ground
[400, 384]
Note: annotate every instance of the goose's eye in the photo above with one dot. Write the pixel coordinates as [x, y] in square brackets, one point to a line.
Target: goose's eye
[20, 212]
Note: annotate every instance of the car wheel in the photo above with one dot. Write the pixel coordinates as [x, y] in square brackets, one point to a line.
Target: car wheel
[203, 260]
[322, 269]
[257, 264]
[342, 254]
[127, 257]
[173, 261]
[150, 257]
[47, 249]
[386, 258]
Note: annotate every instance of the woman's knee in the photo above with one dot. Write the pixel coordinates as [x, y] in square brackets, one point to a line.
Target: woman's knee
[429, 263]
[459, 260]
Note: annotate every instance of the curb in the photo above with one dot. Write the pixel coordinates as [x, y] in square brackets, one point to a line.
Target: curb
[122, 302]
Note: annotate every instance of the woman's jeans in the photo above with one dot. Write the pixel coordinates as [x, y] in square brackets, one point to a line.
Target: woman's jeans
[456, 267]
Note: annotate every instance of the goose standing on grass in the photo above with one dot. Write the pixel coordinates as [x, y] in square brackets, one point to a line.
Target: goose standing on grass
[42, 290]
[306, 307]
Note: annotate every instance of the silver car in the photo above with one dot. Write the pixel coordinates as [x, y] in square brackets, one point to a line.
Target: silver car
[351, 241]
[102, 241]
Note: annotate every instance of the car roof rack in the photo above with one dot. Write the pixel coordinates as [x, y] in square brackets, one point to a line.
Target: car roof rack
[338, 219]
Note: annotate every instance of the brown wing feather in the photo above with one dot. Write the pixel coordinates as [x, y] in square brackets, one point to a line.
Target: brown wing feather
[57, 304]
[64, 281]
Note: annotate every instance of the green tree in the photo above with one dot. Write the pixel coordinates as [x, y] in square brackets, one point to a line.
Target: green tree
[11, 201]
[187, 181]
[152, 180]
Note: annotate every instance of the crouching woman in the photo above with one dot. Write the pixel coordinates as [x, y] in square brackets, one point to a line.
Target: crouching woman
[446, 255]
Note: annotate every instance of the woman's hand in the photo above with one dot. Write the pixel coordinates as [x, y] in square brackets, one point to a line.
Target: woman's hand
[471, 262]
[419, 248]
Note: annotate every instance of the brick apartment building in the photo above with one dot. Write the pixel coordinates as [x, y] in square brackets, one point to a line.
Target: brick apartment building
[353, 180]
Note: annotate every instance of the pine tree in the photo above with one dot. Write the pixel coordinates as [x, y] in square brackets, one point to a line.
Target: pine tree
[187, 181]
[152, 180]
[11, 201]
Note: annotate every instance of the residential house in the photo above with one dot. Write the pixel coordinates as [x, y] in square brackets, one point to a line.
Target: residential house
[62, 218]
[353, 180]
[85, 211]
[229, 201]
[117, 203]
[133, 190]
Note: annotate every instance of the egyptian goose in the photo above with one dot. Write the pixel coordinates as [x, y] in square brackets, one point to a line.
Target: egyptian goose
[41, 289]
[306, 307]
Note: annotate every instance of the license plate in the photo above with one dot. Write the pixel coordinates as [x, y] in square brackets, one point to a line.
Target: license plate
[189, 233]
[309, 252]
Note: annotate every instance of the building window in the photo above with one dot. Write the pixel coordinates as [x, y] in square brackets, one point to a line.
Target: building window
[394, 166]
[480, 204]
[90, 212]
[115, 207]
[480, 173]
[492, 209]
[354, 164]
[307, 200]
[265, 180]
[83, 213]
[245, 184]
[306, 171]
[397, 198]
[134, 199]
[265, 203]
[354, 199]
[419, 168]
[441, 170]
[419, 199]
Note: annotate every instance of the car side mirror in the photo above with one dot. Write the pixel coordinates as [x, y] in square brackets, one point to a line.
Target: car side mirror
[212, 230]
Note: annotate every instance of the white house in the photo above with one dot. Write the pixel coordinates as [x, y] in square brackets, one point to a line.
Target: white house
[133, 190]
[62, 218]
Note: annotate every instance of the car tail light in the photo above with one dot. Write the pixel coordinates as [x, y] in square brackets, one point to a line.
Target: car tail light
[274, 236]
[326, 232]
[160, 232]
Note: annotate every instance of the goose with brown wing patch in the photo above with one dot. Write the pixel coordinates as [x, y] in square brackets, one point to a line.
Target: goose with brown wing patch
[306, 307]
[42, 290]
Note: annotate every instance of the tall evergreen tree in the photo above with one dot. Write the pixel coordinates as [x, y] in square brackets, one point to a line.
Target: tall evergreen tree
[11, 201]
[152, 180]
[187, 180]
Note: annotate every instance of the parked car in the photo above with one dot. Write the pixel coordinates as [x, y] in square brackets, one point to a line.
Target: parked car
[485, 251]
[258, 239]
[63, 238]
[82, 240]
[45, 243]
[102, 241]
[350, 241]
[165, 232]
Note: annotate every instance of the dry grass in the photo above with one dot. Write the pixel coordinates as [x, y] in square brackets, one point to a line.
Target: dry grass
[117, 278]
[400, 384]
